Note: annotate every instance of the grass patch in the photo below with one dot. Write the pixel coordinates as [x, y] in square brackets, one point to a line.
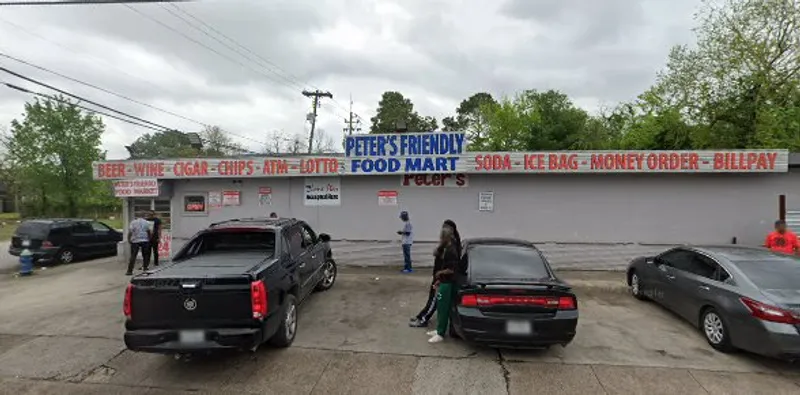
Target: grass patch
[7, 230]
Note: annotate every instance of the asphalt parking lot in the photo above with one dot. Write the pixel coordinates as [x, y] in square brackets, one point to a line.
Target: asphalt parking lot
[61, 333]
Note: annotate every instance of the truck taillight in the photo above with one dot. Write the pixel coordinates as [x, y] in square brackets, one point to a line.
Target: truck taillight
[258, 296]
[126, 305]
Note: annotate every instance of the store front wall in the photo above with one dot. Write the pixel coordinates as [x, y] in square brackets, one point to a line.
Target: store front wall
[640, 208]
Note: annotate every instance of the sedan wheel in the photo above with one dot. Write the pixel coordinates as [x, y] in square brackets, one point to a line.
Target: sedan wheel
[715, 330]
[66, 256]
[636, 287]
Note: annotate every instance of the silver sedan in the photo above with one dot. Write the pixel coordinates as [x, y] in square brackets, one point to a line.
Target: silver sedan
[739, 297]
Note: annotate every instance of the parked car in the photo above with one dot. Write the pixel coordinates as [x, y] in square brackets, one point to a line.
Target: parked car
[739, 297]
[508, 296]
[234, 285]
[64, 240]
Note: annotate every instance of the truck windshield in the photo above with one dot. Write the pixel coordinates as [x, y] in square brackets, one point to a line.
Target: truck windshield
[257, 240]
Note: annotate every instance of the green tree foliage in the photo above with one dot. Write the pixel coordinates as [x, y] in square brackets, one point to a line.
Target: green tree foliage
[394, 108]
[175, 144]
[50, 154]
[738, 86]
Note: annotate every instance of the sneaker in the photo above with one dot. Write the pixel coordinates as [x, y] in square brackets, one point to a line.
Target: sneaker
[417, 324]
[408, 271]
[431, 333]
[129, 273]
[436, 339]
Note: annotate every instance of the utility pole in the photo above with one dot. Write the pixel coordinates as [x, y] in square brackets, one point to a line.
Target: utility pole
[349, 127]
[315, 95]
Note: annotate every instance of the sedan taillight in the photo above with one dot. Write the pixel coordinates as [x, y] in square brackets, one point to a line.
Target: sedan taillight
[553, 302]
[258, 296]
[126, 305]
[770, 313]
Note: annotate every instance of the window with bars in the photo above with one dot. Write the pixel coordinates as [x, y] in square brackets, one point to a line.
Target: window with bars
[140, 206]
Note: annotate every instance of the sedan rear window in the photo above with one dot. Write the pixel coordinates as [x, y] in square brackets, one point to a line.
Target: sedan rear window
[506, 262]
[779, 272]
[36, 230]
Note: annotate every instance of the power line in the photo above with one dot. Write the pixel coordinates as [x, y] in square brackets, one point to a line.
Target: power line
[87, 2]
[99, 88]
[63, 92]
[291, 79]
[21, 89]
[105, 114]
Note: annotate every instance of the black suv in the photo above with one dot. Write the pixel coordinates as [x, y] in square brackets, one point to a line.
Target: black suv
[234, 285]
[64, 240]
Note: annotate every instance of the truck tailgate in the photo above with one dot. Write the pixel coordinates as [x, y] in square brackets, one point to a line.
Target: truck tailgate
[175, 303]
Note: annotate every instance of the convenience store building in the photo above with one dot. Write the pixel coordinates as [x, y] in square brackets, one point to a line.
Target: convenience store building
[649, 197]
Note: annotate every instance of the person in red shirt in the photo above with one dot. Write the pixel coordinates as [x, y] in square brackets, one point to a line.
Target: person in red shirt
[782, 240]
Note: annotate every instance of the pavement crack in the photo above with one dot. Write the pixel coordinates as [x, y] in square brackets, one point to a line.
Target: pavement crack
[596, 377]
[314, 388]
[698, 381]
[506, 374]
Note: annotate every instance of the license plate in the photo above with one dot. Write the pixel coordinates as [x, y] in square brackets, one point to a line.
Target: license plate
[519, 327]
[190, 337]
[26, 243]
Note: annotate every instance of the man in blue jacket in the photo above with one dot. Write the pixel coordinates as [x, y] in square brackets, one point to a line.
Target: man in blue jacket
[407, 238]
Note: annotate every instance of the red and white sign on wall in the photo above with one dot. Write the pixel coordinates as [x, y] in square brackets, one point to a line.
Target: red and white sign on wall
[136, 188]
[435, 180]
[387, 198]
[165, 245]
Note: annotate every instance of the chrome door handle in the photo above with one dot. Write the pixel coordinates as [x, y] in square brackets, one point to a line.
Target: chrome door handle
[671, 277]
[704, 288]
[302, 265]
[313, 256]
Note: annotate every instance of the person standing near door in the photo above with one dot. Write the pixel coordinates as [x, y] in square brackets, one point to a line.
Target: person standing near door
[155, 238]
[782, 240]
[407, 238]
[139, 235]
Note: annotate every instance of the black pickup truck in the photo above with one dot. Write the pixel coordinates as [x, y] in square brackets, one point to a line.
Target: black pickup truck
[234, 285]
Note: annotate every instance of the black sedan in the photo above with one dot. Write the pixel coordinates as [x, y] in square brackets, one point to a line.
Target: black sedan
[508, 296]
[739, 297]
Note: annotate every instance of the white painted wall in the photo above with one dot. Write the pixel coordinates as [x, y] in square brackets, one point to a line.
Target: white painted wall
[657, 208]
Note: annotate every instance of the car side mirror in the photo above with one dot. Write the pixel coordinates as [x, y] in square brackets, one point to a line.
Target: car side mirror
[324, 237]
[650, 260]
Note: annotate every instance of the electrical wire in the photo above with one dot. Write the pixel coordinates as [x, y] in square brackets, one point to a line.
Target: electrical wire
[99, 88]
[87, 2]
[24, 90]
[105, 114]
[63, 92]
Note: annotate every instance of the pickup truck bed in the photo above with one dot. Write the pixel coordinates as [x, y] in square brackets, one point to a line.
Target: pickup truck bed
[213, 265]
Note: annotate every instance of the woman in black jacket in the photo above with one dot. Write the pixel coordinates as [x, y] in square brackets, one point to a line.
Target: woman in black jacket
[421, 320]
[444, 283]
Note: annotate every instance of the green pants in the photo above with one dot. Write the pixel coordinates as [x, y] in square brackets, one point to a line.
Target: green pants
[444, 299]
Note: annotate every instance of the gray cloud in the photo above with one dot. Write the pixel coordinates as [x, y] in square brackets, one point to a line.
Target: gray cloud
[436, 52]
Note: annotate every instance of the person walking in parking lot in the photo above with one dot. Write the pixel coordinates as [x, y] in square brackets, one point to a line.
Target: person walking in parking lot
[444, 284]
[407, 239]
[139, 235]
[155, 237]
[422, 319]
[782, 240]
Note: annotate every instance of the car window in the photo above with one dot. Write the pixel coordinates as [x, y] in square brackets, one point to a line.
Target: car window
[703, 266]
[309, 238]
[32, 229]
[82, 227]
[295, 241]
[235, 241]
[778, 272]
[100, 227]
[678, 259]
[506, 262]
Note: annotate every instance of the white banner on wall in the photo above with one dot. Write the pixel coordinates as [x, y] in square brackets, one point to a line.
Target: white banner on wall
[265, 196]
[147, 187]
[215, 199]
[322, 192]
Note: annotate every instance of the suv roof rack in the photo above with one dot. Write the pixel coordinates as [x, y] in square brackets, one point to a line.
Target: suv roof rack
[265, 220]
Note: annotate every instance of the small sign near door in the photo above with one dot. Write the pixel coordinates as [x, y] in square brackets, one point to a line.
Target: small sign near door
[265, 196]
[231, 198]
[164, 245]
[146, 187]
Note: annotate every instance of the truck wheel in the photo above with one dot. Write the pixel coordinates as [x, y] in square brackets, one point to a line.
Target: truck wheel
[329, 273]
[288, 329]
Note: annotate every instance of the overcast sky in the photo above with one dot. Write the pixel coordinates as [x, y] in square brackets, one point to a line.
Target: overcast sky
[436, 52]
